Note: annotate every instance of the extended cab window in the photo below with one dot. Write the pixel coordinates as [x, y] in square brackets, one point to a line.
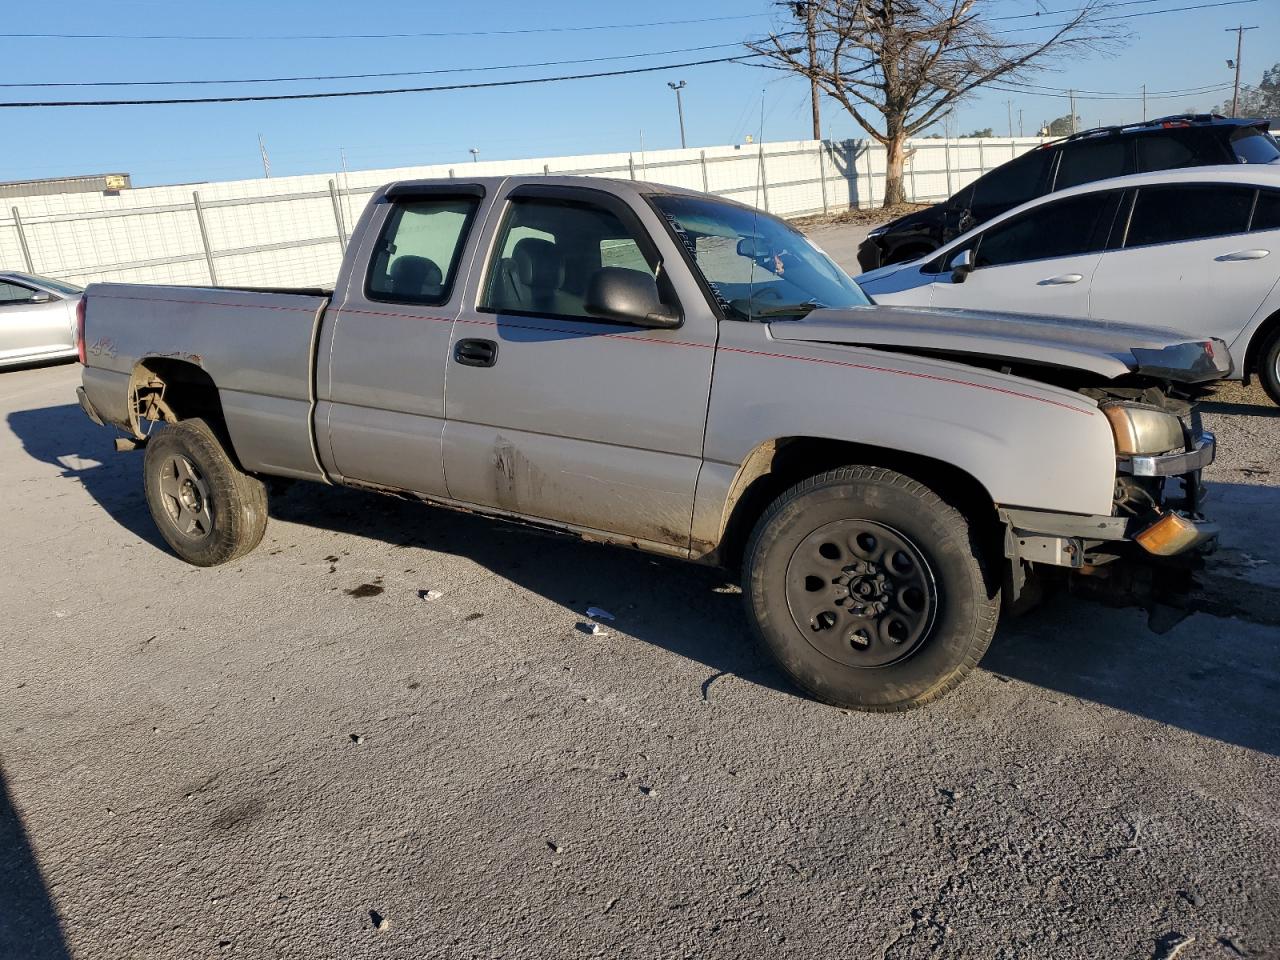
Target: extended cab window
[417, 255]
[1186, 211]
[1063, 228]
[549, 249]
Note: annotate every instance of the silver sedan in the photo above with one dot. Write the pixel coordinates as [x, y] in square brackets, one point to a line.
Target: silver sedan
[37, 319]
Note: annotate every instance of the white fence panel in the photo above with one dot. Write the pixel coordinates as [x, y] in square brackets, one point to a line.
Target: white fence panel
[289, 231]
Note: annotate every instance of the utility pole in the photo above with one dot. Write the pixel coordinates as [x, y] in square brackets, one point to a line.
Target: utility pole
[1235, 95]
[810, 14]
[266, 164]
[1009, 105]
[677, 87]
[1144, 103]
[1072, 94]
[1021, 131]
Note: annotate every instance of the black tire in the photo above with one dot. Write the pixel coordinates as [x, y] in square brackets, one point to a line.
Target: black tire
[1268, 366]
[906, 605]
[206, 508]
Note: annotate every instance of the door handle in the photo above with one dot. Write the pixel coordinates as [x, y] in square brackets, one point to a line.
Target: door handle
[1061, 279]
[476, 353]
[1242, 255]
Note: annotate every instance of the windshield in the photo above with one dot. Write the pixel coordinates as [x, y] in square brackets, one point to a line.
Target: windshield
[757, 266]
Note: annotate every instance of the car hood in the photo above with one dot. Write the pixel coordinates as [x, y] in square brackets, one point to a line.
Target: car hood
[1109, 350]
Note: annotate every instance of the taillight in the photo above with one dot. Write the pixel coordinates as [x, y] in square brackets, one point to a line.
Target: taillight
[80, 328]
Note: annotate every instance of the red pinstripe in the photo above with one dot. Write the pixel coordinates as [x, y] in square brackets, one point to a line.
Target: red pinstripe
[625, 336]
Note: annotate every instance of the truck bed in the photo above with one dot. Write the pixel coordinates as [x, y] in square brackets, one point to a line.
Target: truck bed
[257, 346]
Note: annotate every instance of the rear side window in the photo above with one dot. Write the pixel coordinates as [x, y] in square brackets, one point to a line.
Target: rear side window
[1063, 228]
[1187, 147]
[1175, 212]
[1087, 161]
[1266, 215]
[1014, 183]
[417, 255]
[1252, 145]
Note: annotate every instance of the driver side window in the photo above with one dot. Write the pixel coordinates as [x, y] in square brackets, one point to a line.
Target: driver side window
[547, 253]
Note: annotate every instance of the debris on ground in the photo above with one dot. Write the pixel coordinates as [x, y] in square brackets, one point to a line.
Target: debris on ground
[356, 738]
[430, 594]
[598, 631]
[554, 847]
[364, 590]
[595, 613]
[379, 921]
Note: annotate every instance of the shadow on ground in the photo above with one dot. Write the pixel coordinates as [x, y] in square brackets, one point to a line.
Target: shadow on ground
[1217, 676]
[29, 926]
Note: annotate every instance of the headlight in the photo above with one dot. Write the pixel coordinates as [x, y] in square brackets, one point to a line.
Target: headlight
[877, 232]
[1140, 429]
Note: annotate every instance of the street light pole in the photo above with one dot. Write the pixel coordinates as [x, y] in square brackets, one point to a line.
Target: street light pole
[1235, 94]
[475, 154]
[677, 87]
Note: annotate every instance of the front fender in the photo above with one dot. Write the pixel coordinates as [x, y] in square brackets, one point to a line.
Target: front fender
[1027, 444]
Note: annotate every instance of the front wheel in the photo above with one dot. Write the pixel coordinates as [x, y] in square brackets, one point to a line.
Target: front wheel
[869, 590]
[206, 508]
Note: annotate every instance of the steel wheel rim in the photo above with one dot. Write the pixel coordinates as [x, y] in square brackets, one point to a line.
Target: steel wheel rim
[185, 495]
[861, 593]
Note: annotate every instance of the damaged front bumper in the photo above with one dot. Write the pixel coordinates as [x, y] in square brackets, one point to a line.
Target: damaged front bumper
[1151, 528]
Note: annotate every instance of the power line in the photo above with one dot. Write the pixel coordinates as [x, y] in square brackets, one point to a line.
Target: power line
[1051, 13]
[1066, 95]
[1131, 16]
[367, 76]
[374, 93]
[376, 36]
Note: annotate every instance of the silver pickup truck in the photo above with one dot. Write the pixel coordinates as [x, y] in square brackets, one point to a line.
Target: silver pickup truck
[684, 375]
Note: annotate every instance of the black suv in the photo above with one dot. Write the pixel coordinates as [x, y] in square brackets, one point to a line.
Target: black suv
[1182, 141]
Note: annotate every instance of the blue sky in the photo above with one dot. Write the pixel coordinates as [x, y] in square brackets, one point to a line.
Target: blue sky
[171, 144]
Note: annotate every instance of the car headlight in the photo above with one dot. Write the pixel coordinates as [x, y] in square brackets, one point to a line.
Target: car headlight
[1141, 429]
[877, 232]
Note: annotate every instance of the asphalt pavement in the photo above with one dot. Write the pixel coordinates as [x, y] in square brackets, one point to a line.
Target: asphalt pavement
[298, 755]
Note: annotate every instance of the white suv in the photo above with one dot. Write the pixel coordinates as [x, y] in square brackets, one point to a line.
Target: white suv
[1195, 250]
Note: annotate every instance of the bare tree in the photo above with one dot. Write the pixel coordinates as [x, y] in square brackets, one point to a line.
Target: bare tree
[898, 66]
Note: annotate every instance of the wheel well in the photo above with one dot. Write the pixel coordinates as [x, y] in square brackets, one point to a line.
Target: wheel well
[780, 464]
[168, 390]
[1260, 336]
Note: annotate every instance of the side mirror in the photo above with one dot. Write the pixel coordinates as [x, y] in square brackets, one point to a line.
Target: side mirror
[961, 266]
[628, 296]
[40, 296]
[754, 248]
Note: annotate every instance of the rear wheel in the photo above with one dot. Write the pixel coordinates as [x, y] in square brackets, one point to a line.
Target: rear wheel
[1269, 366]
[868, 590]
[206, 508]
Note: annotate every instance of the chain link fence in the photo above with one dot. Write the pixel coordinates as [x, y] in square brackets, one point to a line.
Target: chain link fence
[293, 231]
